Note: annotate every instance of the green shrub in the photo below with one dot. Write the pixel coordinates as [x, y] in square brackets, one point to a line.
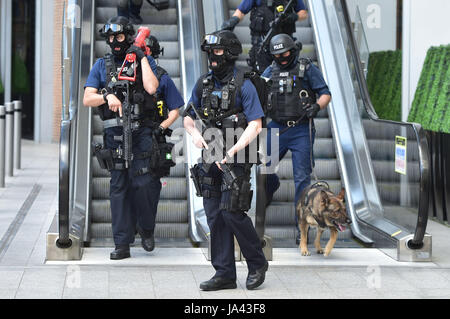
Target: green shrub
[384, 81]
[1, 88]
[431, 103]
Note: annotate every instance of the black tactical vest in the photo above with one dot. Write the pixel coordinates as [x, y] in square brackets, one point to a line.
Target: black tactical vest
[161, 105]
[288, 95]
[218, 107]
[260, 18]
[145, 106]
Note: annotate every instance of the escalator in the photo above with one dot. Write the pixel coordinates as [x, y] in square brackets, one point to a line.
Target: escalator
[280, 213]
[354, 148]
[172, 226]
[84, 216]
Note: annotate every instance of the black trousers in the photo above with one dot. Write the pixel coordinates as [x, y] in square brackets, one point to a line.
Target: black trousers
[225, 225]
[134, 198]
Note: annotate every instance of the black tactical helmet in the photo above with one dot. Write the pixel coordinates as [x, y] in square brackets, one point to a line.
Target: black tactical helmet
[117, 25]
[153, 44]
[281, 43]
[225, 40]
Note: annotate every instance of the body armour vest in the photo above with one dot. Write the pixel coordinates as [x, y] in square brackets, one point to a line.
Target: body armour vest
[219, 109]
[144, 104]
[161, 105]
[289, 96]
[260, 18]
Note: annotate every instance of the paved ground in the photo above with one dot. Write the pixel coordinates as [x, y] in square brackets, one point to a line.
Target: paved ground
[28, 205]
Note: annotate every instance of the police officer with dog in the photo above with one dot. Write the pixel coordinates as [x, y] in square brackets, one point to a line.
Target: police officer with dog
[224, 100]
[263, 14]
[298, 92]
[134, 186]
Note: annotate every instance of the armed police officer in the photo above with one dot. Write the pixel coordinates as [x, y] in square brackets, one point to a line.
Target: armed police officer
[263, 14]
[223, 100]
[134, 192]
[297, 94]
[168, 103]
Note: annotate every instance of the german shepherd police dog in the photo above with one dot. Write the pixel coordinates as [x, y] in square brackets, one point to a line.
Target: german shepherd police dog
[320, 208]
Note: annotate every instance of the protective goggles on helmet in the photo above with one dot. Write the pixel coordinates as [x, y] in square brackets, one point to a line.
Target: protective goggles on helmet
[112, 28]
[212, 41]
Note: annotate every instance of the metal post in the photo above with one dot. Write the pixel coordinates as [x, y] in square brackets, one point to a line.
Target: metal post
[2, 146]
[17, 134]
[9, 166]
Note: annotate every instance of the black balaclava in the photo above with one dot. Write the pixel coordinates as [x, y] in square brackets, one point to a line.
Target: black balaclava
[291, 59]
[224, 69]
[121, 46]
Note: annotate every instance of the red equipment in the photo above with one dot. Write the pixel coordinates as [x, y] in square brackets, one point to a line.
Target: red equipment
[143, 34]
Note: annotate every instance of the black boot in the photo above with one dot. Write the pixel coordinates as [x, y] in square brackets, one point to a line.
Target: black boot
[147, 239]
[256, 278]
[121, 252]
[218, 283]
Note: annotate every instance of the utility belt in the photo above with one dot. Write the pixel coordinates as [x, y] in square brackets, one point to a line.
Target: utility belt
[241, 195]
[160, 154]
[135, 124]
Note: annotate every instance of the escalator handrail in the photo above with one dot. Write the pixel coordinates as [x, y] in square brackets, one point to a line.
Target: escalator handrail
[69, 83]
[424, 162]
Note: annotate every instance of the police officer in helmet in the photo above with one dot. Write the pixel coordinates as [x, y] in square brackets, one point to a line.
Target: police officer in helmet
[263, 13]
[224, 100]
[297, 93]
[168, 102]
[134, 192]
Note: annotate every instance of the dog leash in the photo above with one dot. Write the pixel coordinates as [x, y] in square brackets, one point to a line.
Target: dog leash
[311, 150]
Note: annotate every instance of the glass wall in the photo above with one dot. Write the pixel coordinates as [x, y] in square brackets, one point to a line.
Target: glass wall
[23, 61]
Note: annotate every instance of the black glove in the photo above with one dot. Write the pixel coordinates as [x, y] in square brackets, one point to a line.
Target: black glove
[291, 18]
[231, 23]
[159, 131]
[138, 51]
[312, 110]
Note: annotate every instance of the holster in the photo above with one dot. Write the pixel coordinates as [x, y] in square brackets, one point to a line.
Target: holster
[241, 196]
[240, 188]
[195, 176]
[104, 156]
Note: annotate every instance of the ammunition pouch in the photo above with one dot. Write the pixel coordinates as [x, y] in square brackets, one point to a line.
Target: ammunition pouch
[161, 158]
[260, 18]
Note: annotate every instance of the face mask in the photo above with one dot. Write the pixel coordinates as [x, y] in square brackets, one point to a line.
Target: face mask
[119, 49]
[290, 60]
[223, 67]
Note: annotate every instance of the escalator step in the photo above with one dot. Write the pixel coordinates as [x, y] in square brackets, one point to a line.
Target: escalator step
[286, 192]
[164, 32]
[173, 230]
[169, 211]
[325, 169]
[172, 188]
[148, 14]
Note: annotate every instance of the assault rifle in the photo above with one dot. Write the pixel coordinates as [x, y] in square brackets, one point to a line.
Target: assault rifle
[228, 174]
[127, 77]
[274, 27]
